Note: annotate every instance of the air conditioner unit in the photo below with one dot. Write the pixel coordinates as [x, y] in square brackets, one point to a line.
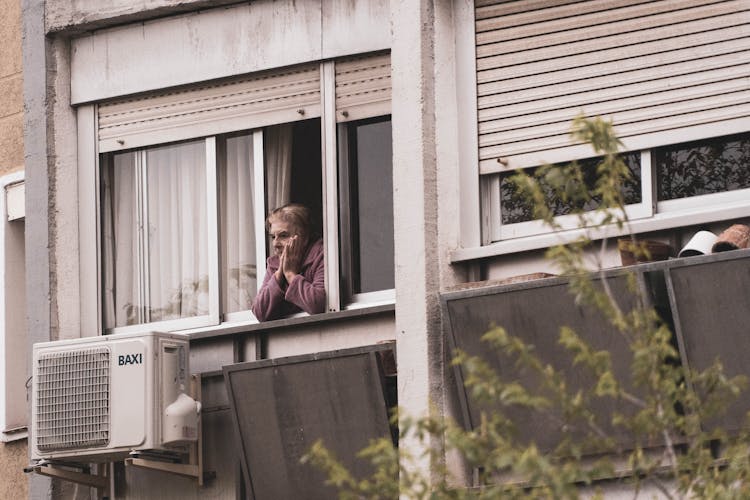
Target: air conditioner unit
[99, 398]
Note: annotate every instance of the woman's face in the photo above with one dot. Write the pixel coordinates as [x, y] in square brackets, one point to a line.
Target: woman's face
[280, 233]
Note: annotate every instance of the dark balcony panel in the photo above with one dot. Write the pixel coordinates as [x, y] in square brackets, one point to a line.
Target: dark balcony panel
[282, 406]
[711, 309]
[534, 312]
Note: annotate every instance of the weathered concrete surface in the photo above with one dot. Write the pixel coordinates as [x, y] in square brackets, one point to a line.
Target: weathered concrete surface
[87, 15]
[37, 193]
[13, 458]
[418, 339]
[228, 41]
[13, 455]
[11, 88]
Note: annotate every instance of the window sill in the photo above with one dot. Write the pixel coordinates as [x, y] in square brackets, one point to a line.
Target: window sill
[659, 221]
[15, 434]
[250, 327]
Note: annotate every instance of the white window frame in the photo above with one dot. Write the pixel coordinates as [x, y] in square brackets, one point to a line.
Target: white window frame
[259, 222]
[212, 217]
[531, 228]
[12, 323]
[648, 215]
[353, 300]
[335, 245]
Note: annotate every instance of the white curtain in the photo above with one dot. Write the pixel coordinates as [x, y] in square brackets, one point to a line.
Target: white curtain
[239, 271]
[177, 231]
[121, 304]
[169, 279]
[157, 270]
[278, 155]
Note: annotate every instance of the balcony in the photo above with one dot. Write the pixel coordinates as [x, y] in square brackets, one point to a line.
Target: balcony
[704, 300]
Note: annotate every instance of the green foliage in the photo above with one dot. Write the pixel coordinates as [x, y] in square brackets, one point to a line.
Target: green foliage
[661, 405]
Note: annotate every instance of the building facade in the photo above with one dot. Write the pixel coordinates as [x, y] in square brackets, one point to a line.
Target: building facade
[13, 421]
[159, 134]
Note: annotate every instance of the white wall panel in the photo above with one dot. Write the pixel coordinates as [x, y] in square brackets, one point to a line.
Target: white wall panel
[355, 27]
[222, 42]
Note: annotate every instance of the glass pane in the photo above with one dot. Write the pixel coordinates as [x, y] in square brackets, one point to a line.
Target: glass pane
[121, 298]
[374, 269]
[237, 198]
[703, 167]
[154, 234]
[177, 238]
[515, 208]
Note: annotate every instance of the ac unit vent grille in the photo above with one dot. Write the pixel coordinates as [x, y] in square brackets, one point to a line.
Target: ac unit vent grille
[72, 402]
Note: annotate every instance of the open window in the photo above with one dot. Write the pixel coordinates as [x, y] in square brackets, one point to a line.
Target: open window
[288, 169]
[187, 177]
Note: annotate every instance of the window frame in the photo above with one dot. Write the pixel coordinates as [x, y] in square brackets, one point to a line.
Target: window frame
[649, 215]
[490, 68]
[212, 218]
[363, 299]
[90, 205]
[501, 232]
[12, 427]
[259, 221]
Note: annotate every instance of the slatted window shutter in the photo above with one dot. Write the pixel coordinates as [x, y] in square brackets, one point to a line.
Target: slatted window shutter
[363, 87]
[663, 71]
[258, 100]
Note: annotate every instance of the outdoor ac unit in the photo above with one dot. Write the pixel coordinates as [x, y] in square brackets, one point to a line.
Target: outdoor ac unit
[99, 398]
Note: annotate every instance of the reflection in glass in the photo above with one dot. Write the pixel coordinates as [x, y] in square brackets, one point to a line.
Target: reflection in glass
[237, 198]
[178, 236]
[514, 208]
[703, 167]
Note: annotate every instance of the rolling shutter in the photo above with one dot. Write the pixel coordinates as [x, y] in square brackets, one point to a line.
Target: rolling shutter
[262, 99]
[661, 70]
[363, 87]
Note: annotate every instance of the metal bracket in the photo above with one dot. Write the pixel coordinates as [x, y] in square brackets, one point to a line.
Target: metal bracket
[51, 470]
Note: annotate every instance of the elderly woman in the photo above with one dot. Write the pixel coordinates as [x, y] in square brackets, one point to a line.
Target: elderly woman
[295, 276]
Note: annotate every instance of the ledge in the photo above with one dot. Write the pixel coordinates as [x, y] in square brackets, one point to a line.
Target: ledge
[248, 327]
[657, 222]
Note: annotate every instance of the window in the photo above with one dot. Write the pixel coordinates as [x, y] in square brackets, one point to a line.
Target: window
[184, 194]
[13, 420]
[701, 168]
[156, 233]
[366, 186]
[516, 214]
[685, 177]
[664, 75]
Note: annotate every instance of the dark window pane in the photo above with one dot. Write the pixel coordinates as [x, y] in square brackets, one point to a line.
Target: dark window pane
[703, 167]
[371, 205]
[515, 208]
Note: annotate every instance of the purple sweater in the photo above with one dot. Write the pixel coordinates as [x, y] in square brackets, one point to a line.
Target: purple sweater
[306, 292]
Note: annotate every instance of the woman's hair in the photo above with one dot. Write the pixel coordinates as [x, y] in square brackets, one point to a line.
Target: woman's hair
[295, 214]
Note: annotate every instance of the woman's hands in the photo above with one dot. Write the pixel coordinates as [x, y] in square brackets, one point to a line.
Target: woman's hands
[291, 259]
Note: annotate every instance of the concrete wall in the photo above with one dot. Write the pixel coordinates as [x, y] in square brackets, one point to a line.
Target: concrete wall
[87, 15]
[11, 88]
[13, 458]
[225, 42]
[52, 30]
[13, 455]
